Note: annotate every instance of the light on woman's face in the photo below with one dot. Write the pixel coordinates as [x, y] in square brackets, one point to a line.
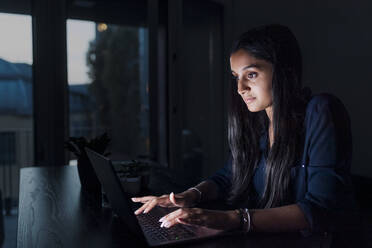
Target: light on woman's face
[254, 80]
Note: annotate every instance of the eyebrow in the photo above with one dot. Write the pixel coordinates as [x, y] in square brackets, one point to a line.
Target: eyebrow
[250, 66]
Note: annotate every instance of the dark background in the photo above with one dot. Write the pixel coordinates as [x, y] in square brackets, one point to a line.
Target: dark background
[188, 72]
[335, 41]
[189, 45]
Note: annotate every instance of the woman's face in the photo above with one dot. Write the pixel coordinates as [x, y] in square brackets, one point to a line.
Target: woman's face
[254, 79]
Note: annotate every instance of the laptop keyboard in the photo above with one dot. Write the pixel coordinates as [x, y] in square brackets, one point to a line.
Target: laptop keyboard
[151, 225]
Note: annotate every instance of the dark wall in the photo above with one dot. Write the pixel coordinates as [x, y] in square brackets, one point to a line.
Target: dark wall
[202, 85]
[335, 37]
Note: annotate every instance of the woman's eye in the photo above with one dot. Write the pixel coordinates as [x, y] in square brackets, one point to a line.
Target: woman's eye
[252, 75]
[235, 78]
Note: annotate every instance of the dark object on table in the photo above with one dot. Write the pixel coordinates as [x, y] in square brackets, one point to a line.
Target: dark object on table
[134, 176]
[88, 178]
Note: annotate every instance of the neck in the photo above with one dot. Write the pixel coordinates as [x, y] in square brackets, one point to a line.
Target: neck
[269, 112]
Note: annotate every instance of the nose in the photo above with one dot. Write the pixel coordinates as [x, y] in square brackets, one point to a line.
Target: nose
[243, 88]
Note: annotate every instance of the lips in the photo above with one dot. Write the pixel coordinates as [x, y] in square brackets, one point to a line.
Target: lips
[249, 100]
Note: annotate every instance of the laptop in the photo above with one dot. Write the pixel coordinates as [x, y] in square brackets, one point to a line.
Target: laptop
[145, 226]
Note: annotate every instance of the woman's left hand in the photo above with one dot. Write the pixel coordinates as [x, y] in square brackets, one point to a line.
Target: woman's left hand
[220, 220]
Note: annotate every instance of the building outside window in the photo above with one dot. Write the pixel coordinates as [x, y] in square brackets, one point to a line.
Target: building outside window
[16, 112]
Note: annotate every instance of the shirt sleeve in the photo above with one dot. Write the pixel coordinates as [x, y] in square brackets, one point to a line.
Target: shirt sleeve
[222, 178]
[329, 198]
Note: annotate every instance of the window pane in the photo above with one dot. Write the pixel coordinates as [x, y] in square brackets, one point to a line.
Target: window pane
[16, 112]
[7, 148]
[107, 74]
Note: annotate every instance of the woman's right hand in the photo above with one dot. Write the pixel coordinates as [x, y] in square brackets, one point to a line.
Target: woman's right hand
[184, 199]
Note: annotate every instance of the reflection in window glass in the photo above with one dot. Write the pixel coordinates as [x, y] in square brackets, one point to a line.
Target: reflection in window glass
[108, 92]
[16, 120]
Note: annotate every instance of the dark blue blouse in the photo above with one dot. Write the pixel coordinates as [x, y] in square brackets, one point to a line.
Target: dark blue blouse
[320, 182]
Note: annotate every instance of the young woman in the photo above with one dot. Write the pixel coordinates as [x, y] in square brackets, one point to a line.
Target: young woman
[290, 151]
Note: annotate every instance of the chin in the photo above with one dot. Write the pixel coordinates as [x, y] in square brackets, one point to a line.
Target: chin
[254, 109]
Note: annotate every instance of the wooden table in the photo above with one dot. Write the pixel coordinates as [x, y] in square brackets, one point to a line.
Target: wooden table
[53, 212]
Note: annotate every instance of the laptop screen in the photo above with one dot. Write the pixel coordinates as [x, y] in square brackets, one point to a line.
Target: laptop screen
[117, 197]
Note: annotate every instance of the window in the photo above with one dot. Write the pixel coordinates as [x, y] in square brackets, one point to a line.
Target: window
[16, 112]
[108, 85]
[7, 148]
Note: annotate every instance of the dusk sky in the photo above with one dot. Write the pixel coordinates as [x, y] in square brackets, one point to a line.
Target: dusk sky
[16, 43]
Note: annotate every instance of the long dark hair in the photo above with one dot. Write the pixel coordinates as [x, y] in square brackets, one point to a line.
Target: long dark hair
[277, 45]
